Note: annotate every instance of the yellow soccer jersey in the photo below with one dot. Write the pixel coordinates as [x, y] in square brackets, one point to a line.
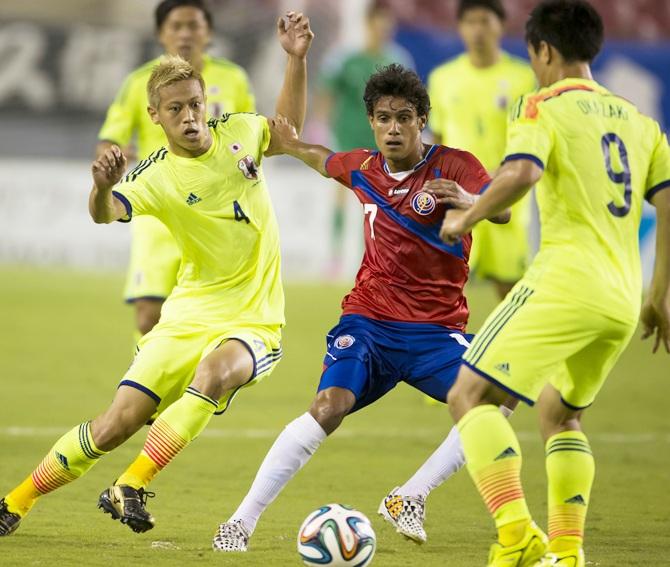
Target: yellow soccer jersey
[228, 90]
[469, 105]
[219, 212]
[601, 157]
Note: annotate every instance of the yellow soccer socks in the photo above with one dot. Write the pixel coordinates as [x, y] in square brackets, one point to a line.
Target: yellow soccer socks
[493, 459]
[175, 428]
[570, 472]
[71, 457]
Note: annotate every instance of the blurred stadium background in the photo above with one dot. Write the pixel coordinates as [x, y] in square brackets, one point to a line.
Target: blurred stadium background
[65, 336]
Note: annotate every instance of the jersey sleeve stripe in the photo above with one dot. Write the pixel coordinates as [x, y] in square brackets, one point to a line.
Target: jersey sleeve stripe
[484, 187]
[325, 163]
[126, 203]
[656, 188]
[531, 157]
[428, 233]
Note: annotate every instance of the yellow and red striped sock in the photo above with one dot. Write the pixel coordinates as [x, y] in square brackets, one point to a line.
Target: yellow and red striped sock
[493, 458]
[175, 428]
[570, 472]
[70, 457]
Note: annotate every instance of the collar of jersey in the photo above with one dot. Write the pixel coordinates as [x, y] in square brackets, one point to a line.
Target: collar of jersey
[428, 155]
[575, 81]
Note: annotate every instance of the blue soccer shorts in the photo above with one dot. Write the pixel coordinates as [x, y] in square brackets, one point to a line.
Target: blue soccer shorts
[369, 357]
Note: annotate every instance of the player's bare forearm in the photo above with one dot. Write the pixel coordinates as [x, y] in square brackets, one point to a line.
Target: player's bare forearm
[292, 101]
[660, 284]
[310, 154]
[512, 182]
[295, 37]
[107, 171]
[655, 315]
[101, 205]
[500, 218]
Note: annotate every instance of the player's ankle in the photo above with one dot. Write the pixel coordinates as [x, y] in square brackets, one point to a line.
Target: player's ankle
[512, 533]
[565, 543]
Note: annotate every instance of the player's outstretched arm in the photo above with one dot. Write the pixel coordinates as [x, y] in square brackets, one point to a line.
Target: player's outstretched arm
[512, 181]
[450, 193]
[655, 316]
[284, 140]
[107, 171]
[295, 37]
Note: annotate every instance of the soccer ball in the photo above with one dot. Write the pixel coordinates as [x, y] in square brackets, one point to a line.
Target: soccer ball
[336, 535]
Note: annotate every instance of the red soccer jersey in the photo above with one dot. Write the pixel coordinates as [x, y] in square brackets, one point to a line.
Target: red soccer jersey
[408, 274]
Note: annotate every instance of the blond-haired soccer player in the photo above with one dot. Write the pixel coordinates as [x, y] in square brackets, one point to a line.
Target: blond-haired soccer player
[564, 325]
[184, 28]
[220, 329]
[471, 95]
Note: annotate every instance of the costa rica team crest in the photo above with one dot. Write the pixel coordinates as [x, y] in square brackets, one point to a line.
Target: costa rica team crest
[344, 341]
[423, 203]
[248, 167]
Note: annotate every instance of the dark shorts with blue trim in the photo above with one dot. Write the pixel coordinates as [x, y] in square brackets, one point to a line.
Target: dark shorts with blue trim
[369, 357]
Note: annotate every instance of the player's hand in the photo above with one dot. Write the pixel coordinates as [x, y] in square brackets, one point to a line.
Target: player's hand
[294, 33]
[282, 133]
[450, 193]
[454, 226]
[655, 318]
[108, 168]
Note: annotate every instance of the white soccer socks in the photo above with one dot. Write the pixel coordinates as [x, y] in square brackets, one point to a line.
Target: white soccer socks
[290, 452]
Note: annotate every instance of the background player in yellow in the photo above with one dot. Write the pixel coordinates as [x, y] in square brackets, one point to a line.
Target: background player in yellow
[220, 329]
[471, 95]
[184, 28]
[563, 327]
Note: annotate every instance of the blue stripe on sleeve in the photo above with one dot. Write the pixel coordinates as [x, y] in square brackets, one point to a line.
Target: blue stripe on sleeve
[530, 157]
[126, 203]
[656, 188]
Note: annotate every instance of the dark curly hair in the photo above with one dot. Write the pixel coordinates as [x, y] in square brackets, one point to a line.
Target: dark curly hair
[572, 27]
[396, 80]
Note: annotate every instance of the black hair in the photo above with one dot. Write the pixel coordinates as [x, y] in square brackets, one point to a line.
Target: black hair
[572, 27]
[396, 80]
[166, 6]
[495, 6]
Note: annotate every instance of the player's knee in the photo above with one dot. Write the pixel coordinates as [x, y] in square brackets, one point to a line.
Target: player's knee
[552, 423]
[331, 406]
[113, 428]
[213, 379]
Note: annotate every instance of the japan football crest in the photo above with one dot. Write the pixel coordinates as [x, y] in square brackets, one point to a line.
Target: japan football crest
[248, 167]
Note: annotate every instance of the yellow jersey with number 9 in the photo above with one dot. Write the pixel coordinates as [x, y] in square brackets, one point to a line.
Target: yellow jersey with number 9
[219, 212]
[601, 158]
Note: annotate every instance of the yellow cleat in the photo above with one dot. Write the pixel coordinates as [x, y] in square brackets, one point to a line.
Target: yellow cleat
[526, 553]
[570, 558]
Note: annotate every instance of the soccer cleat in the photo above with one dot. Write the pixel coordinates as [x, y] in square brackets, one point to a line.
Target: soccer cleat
[9, 521]
[570, 558]
[231, 536]
[127, 504]
[526, 553]
[406, 514]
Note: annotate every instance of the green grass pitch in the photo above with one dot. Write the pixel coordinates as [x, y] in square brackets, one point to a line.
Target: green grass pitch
[65, 340]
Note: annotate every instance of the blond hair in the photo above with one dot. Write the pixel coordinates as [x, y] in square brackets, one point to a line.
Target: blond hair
[170, 69]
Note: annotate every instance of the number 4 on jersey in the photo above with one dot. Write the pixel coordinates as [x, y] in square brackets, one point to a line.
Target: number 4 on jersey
[239, 213]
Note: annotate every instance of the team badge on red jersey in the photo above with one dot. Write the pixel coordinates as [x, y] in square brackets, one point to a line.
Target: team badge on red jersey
[248, 167]
[344, 341]
[423, 203]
